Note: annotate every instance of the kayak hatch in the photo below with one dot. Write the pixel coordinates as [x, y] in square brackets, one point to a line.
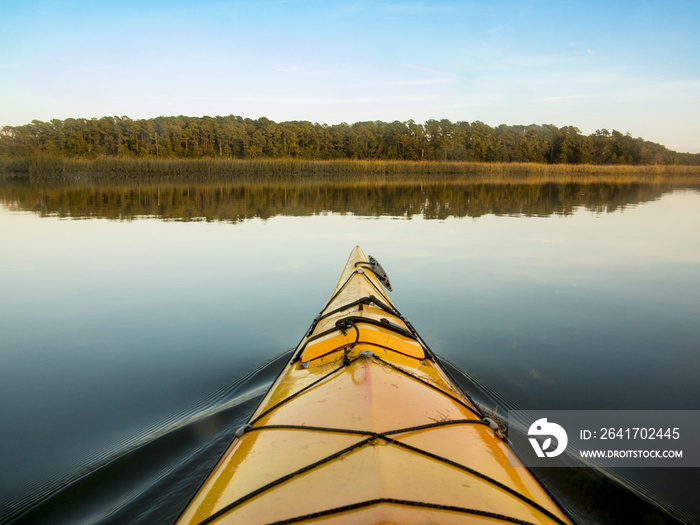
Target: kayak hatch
[364, 426]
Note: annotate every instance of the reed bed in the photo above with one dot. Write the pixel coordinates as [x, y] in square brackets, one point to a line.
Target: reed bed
[142, 169]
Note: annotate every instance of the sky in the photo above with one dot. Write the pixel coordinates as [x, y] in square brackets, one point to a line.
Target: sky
[632, 66]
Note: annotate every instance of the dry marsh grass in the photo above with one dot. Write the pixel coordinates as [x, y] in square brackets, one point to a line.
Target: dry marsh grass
[142, 169]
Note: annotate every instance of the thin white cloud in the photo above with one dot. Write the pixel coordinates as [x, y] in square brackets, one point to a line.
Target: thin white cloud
[406, 82]
[421, 69]
[397, 7]
[274, 99]
[549, 99]
[332, 100]
[689, 84]
[416, 8]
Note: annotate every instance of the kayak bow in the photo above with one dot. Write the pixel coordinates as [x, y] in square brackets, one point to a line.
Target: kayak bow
[364, 426]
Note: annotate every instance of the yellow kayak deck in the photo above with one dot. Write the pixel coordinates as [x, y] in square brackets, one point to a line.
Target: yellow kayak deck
[363, 426]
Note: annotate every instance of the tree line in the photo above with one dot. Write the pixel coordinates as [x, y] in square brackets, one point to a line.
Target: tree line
[245, 138]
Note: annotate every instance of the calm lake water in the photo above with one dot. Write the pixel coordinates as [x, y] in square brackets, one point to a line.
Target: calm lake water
[140, 324]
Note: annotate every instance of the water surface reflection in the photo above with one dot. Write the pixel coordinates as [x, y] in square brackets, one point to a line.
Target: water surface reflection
[236, 201]
[132, 346]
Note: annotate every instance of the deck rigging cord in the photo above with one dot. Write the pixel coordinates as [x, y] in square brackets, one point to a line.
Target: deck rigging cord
[418, 504]
[371, 437]
[369, 300]
[368, 437]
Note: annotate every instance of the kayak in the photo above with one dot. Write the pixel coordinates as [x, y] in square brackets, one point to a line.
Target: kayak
[363, 425]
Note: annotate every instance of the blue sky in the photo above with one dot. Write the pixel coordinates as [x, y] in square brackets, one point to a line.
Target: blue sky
[633, 66]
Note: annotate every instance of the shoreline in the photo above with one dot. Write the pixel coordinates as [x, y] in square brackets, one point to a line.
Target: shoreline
[137, 169]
